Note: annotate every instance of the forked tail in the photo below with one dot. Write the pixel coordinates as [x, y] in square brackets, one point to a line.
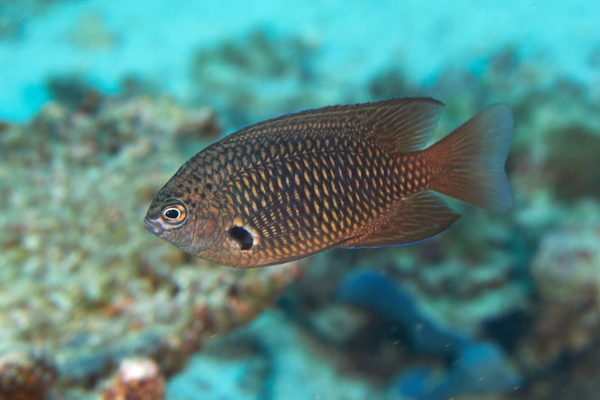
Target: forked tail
[471, 160]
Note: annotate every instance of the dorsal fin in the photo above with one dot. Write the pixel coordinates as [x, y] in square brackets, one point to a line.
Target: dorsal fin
[406, 124]
[409, 123]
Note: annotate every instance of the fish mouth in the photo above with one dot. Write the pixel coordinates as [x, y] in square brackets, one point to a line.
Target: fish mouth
[151, 226]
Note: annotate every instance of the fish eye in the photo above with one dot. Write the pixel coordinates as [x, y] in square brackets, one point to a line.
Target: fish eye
[174, 213]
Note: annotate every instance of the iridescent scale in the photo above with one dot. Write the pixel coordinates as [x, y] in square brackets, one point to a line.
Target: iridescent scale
[300, 189]
[342, 176]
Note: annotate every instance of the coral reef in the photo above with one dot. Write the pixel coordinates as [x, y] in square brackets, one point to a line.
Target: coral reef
[565, 271]
[572, 153]
[80, 277]
[258, 76]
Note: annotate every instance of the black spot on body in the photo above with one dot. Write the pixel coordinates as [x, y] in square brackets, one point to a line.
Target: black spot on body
[242, 237]
[208, 187]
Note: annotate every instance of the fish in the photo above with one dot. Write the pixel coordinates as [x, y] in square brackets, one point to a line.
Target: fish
[346, 176]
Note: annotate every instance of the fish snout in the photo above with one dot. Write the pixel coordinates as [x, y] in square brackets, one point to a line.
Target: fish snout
[152, 226]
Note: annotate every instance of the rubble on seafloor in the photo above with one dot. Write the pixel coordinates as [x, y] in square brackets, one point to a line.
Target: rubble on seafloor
[137, 379]
[81, 281]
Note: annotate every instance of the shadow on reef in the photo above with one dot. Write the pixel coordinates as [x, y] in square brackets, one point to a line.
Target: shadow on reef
[474, 367]
[458, 363]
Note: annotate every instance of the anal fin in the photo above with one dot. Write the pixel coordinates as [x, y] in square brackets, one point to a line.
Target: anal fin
[417, 217]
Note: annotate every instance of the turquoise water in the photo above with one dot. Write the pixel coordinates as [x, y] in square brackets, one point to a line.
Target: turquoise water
[102, 101]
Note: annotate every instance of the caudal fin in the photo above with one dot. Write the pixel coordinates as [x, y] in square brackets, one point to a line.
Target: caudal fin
[471, 160]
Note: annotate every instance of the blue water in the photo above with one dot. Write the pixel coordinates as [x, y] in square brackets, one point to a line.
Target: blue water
[355, 40]
[500, 306]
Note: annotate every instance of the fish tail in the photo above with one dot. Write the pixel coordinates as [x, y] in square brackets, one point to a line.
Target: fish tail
[470, 160]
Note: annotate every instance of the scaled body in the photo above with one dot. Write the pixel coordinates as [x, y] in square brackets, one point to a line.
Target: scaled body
[345, 176]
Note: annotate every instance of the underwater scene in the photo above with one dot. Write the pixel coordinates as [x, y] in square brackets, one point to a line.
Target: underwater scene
[289, 260]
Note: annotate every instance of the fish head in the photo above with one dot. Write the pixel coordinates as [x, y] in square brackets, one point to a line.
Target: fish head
[178, 217]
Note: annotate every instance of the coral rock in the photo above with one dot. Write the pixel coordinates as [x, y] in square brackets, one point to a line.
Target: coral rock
[138, 379]
[25, 377]
[565, 271]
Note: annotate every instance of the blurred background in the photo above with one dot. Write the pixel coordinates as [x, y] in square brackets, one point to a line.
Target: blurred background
[102, 101]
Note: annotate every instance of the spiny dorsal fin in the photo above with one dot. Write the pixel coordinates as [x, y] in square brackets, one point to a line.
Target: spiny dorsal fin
[406, 124]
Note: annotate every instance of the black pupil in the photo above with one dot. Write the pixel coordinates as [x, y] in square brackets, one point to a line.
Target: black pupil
[172, 214]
